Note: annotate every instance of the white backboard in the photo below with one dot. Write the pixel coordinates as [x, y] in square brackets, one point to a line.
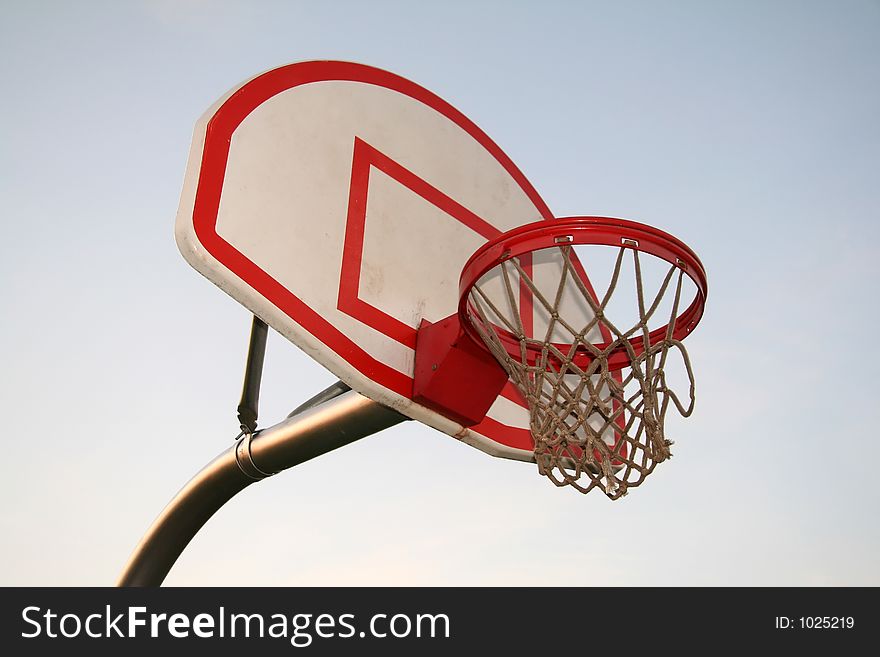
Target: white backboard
[338, 203]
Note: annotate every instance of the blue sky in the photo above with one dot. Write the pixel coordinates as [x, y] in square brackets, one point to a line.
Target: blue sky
[748, 129]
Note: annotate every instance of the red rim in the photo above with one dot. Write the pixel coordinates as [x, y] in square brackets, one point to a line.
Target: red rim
[586, 230]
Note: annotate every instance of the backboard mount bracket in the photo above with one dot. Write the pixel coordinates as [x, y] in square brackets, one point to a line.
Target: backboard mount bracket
[443, 352]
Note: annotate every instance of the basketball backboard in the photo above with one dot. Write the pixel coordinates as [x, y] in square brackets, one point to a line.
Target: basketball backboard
[339, 202]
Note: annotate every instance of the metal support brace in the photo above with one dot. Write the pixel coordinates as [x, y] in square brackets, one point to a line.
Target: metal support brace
[249, 405]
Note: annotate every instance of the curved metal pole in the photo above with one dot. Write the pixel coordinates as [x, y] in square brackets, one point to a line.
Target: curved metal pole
[332, 423]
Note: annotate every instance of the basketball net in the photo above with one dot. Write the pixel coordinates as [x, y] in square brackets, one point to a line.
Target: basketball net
[595, 423]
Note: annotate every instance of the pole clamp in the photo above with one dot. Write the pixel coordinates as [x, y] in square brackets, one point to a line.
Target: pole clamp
[245, 459]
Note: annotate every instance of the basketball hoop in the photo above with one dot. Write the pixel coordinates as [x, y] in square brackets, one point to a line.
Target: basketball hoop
[597, 393]
[315, 227]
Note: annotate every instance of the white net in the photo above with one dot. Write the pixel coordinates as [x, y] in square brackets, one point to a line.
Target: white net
[597, 394]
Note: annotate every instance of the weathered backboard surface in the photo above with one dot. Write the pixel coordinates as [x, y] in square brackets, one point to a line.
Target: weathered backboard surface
[339, 202]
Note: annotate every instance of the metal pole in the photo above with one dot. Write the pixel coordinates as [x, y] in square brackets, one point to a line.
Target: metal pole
[332, 423]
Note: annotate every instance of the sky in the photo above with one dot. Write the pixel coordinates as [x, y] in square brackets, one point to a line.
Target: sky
[747, 129]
